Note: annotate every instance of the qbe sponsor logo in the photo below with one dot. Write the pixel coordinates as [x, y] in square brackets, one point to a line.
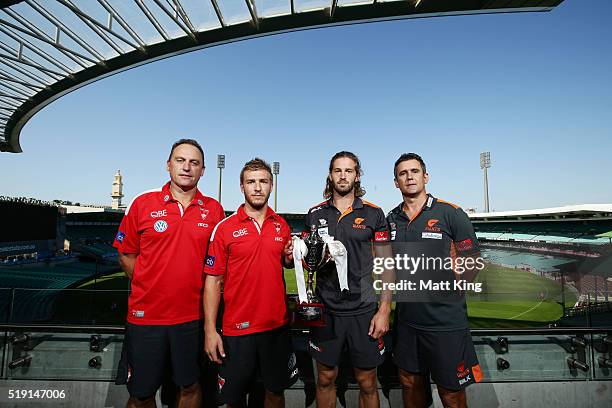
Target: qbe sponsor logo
[160, 226]
[158, 214]
[241, 232]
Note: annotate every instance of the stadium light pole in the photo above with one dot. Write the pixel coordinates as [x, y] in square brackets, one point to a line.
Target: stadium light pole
[275, 171]
[485, 163]
[220, 166]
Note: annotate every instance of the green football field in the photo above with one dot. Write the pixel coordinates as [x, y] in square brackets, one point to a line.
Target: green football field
[510, 298]
[513, 298]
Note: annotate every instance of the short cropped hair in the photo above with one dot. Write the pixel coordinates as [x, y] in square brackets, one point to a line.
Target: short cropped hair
[254, 165]
[408, 156]
[191, 142]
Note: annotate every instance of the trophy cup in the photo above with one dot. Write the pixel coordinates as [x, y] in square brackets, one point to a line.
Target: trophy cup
[309, 308]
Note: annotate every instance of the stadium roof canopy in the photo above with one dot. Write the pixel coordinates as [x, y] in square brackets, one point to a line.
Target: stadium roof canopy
[50, 48]
[581, 211]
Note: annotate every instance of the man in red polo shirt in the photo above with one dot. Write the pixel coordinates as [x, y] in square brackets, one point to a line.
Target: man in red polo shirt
[246, 255]
[162, 242]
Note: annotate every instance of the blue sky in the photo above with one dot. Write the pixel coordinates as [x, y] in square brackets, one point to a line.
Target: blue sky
[534, 89]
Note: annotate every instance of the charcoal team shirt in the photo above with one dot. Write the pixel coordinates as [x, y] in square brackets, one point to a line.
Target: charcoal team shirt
[437, 222]
[360, 224]
[250, 257]
[171, 243]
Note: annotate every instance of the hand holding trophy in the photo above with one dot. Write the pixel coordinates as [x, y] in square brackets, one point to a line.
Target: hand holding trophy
[315, 252]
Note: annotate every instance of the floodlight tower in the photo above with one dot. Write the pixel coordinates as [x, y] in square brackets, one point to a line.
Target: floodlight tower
[220, 166]
[275, 171]
[485, 163]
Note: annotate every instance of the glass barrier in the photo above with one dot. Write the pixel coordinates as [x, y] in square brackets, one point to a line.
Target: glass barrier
[64, 353]
[62, 356]
[67, 306]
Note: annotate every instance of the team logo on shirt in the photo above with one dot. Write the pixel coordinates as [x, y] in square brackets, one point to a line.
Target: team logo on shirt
[431, 226]
[322, 221]
[120, 236]
[203, 212]
[160, 226]
[358, 223]
[166, 197]
[200, 202]
[465, 245]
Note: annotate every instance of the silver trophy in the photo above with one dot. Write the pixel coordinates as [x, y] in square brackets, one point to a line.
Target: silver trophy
[317, 256]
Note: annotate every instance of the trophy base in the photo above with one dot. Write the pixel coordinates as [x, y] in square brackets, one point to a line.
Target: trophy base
[309, 314]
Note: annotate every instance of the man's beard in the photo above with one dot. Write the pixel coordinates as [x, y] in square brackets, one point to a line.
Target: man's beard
[344, 190]
[258, 205]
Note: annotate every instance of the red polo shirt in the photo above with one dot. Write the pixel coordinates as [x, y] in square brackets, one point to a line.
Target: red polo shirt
[250, 257]
[171, 243]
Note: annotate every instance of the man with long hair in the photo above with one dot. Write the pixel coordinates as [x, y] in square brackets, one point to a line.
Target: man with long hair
[351, 321]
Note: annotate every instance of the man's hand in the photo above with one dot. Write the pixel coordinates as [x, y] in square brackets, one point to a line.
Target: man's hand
[213, 346]
[379, 325]
[288, 254]
[127, 263]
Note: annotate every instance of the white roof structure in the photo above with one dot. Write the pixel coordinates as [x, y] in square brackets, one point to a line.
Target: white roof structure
[569, 211]
[49, 48]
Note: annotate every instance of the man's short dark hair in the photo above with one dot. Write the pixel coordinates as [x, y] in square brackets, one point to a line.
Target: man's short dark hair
[254, 165]
[409, 156]
[329, 188]
[189, 142]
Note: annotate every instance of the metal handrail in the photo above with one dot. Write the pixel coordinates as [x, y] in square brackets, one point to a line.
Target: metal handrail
[474, 332]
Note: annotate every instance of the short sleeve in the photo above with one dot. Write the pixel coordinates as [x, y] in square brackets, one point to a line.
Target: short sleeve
[381, 228]
[216, 258]
[307, 225]
[464, 236]
[127, 240]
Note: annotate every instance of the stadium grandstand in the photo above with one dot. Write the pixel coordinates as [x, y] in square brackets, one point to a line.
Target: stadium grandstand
[570, 242]
[541, 329]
